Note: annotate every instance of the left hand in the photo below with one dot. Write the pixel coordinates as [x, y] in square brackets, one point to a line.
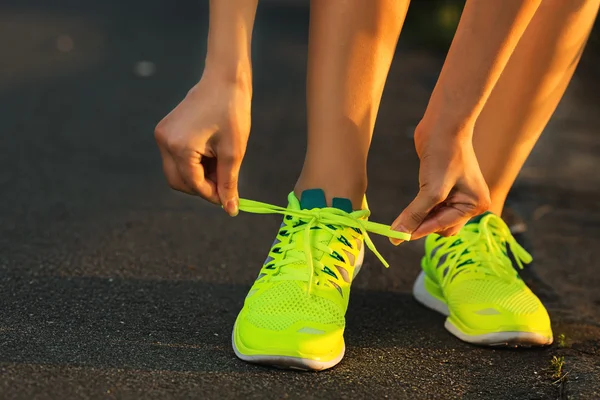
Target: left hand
[451, 186]
[203, 141]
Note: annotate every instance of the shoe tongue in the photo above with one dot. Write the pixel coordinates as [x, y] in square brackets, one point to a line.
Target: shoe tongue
[315, 198]
[477, 218]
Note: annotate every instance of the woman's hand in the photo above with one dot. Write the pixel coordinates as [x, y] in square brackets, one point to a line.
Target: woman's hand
[452, 188]
[203, 140]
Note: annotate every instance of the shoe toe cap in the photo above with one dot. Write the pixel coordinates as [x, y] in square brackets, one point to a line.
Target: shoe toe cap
[301, 339]
[498, 309]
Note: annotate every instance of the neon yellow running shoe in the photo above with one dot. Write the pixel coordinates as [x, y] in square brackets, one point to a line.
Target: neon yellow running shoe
[294, 314]
[470, 279]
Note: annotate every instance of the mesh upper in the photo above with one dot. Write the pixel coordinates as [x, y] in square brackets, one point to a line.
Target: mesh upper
[513, 296]
[286, 303]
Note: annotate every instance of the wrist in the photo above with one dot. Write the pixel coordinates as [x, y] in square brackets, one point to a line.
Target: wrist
[236, 72]
[215, 85]
[445, 127]
[452, 109]
[448, 118]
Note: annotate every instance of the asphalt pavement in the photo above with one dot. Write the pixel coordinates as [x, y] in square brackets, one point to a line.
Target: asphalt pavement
[114, 286]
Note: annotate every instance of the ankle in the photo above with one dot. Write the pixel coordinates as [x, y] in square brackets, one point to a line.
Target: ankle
[353, 189]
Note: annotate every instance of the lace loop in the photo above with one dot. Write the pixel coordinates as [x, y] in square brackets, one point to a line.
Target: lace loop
[483, 247]
[322, 217]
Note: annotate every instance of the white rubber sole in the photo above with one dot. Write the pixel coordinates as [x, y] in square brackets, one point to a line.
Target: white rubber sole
[422, 296]
[286, 362]
[508, 338]
[296, 363]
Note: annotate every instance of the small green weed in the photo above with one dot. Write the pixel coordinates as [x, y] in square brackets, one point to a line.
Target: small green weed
[561, 341]
[556, 366]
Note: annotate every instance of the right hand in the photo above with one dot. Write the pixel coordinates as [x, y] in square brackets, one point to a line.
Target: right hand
[452, 187]
[203, 141]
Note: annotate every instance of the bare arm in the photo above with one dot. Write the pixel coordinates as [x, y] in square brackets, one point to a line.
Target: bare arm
[487, 34]
[451, 186]
[203, 140]
[229, 40]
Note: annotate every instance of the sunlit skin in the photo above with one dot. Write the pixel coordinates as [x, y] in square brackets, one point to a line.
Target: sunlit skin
[507, 68]
[203, 140]
[351, 46]
[452, 188]
[529, 90]
[502, 121]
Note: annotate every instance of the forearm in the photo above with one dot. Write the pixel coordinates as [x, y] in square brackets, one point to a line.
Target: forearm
[229, 40]
[487, 34]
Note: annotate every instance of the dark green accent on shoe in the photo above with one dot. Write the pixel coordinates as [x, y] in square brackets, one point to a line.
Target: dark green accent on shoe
[329, 272]
[477, 218]
[312, 198]
[270, 266]
[336, 255]
[345, 241]
[455, 243]
[467, 262]
[315, 198]
[342, 204]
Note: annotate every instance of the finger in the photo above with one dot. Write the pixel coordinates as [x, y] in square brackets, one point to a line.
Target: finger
[451, 231]
[210, 168]
[172, 174]
[446, 218]
[415, 213]
[228, 170]
[192, 174]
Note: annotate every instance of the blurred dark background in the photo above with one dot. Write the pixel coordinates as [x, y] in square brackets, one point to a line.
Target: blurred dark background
[113, 286]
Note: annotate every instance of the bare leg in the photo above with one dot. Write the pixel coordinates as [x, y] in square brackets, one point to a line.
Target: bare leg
[351, 46]
[529, 90]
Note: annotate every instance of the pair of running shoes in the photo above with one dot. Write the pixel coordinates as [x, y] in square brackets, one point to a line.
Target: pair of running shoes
[294, 314]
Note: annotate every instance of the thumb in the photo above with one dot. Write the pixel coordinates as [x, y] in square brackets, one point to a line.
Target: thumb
[228, 169]
[415, 213]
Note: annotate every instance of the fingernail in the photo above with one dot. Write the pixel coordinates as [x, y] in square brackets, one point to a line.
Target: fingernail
[396, 242]
[399, 227]
[232, 207]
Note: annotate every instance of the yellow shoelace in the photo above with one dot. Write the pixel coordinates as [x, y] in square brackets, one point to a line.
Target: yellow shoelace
[483, 246]
[327, 216]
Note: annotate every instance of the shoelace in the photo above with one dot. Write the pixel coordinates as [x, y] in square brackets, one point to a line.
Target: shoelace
[322, 217]
[483, 247]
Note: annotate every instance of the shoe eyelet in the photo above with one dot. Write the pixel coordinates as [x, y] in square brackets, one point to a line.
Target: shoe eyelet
[345, 241]
[337, 256]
